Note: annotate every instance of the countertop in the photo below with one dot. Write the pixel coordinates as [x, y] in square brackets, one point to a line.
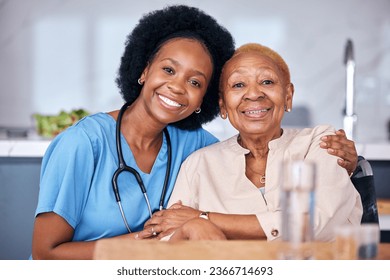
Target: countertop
[22, 143]
[375, 151]
[35, 146]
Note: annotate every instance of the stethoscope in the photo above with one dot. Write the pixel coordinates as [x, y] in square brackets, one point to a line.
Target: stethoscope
[122, 166]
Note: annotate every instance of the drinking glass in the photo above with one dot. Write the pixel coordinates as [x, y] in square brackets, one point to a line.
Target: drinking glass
[356, 242]
[297, 202]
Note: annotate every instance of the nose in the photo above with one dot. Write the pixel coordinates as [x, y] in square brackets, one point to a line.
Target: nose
[177, 85]
[254, 93]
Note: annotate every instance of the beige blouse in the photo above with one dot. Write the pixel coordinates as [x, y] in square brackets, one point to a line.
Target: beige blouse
[213, 179]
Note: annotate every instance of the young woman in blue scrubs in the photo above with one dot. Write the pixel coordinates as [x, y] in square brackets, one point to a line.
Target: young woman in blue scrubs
[169, 76]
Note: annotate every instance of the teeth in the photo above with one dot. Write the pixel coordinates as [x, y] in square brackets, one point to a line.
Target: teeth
[257, 111]
[169, 101]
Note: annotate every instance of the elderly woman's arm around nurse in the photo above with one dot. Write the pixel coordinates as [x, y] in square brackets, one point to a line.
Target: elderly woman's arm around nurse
[238, 181]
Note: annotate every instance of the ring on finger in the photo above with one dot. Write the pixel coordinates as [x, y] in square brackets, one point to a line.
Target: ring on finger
[154, 233]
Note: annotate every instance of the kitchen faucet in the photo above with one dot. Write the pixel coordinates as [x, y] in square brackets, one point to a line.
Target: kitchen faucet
[349, 115]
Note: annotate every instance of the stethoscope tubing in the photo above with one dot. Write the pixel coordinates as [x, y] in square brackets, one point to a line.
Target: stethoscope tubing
[123, 167]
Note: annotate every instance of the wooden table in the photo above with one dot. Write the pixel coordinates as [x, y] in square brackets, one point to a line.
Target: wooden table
[383, 206]
[206, 250]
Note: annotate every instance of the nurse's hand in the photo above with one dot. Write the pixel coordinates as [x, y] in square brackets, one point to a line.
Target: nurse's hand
[339, 145]
[171, 218]
[147, 233]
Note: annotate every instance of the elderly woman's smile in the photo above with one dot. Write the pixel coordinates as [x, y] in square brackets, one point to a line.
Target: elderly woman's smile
[256, 112]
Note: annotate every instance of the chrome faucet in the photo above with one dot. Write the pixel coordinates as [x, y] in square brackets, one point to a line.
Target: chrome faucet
[349, 114]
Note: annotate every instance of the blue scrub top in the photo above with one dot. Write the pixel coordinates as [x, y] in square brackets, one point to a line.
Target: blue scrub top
[77, 170]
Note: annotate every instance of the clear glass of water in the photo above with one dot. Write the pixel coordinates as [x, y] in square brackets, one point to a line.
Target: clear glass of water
[297, 202]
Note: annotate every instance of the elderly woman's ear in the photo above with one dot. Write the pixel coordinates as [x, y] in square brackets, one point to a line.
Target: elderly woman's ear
[289, 97]
[222, 109]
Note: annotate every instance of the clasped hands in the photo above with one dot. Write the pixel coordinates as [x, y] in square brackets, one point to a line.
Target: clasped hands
[180, 222]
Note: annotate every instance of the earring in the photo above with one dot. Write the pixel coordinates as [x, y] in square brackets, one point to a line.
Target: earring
[197, 111]
[223, 116]
[140, 82]
[288, 110]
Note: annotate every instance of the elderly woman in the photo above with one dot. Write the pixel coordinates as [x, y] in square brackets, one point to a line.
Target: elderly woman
[236, 183]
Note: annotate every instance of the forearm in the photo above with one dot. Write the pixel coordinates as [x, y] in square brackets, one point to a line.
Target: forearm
[234, 226]
[82, 250]
[238, 226]
[72, 250]
[198, 229]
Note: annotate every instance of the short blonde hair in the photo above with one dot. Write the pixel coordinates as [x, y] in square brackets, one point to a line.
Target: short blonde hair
[258, 48]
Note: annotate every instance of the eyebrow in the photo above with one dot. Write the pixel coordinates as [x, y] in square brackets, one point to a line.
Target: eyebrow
[242, 71]
[175, 62]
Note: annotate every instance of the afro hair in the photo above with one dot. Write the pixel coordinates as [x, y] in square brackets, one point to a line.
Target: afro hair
[155, 28]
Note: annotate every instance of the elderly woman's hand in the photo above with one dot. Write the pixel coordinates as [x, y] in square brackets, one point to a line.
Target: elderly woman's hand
[338, 145]
[175, 216]
[198, 229]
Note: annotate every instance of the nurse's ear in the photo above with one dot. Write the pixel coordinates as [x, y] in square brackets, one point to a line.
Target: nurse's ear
[143, 77]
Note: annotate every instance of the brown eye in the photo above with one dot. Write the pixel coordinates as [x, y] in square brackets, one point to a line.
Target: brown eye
[267, 82]
[169, 70]
[195, 83]
[238, 85]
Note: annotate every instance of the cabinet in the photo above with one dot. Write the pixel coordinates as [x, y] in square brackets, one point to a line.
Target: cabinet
[19, 187]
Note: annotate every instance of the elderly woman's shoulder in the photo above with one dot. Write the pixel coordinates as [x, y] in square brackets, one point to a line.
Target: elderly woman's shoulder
[323, 129]
[317, 131]
[226, 146]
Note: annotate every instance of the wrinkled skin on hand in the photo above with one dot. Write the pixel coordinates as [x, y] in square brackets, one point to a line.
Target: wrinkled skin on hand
[165, 222]
[198, 229]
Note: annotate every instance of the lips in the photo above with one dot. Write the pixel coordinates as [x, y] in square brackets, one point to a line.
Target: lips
[170, 102]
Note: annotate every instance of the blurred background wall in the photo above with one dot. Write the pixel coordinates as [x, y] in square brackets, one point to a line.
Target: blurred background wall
[64, 54]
